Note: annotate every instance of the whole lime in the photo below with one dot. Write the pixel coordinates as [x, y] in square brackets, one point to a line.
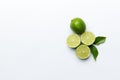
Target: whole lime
[78, 25]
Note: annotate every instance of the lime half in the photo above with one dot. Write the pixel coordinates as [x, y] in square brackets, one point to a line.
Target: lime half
[88, 38]
[73, 40]
[83, 51]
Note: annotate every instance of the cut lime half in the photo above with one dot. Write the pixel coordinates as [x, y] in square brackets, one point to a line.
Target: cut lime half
[73, 40]
[83, 51]
[88, 38]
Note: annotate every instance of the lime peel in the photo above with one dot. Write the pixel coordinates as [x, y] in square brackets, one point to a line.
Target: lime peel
[78, 25]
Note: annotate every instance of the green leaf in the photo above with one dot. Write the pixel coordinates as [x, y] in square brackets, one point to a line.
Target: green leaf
[94, 51]
[99, 40]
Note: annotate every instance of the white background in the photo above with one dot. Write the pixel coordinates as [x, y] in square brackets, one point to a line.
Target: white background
[33, 39]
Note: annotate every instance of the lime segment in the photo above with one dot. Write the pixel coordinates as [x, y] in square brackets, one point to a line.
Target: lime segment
[83, 51]
[88, 38]
[73, 40]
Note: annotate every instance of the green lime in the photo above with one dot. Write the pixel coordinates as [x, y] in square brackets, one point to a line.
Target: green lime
[88, 38]
[73, 40]
[83, 51]
[78, 25]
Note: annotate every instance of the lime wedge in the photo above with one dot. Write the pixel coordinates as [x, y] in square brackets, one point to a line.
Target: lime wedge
[83, 51]
[73, 40]
[88, 38]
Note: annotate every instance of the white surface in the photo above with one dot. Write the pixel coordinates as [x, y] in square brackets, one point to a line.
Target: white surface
[33, 39]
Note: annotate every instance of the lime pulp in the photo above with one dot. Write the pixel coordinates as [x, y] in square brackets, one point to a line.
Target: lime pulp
[88, 38]
[83, 51]
[73, 40]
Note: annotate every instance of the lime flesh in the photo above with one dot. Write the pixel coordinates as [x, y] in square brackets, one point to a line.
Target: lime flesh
[73, 40]
[88, 38]
[83, 51]
[78, 25]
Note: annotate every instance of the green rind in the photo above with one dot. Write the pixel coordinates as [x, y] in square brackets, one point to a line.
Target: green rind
[77, 25]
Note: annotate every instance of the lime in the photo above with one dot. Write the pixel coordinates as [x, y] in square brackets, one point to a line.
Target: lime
[78, 25]
[73, 40]
[88, 38]
[83, 51]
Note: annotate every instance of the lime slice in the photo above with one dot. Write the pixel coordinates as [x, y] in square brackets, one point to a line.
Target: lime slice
[73, 40]
[77, 25]
[83, 51]
[88, 38]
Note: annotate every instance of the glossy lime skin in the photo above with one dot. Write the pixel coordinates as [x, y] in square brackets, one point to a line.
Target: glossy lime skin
[78, 25]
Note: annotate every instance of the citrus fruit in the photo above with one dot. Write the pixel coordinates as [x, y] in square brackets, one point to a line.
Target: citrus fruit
[88, 38]
[73, 40]
[83, 51]
[78, 25]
